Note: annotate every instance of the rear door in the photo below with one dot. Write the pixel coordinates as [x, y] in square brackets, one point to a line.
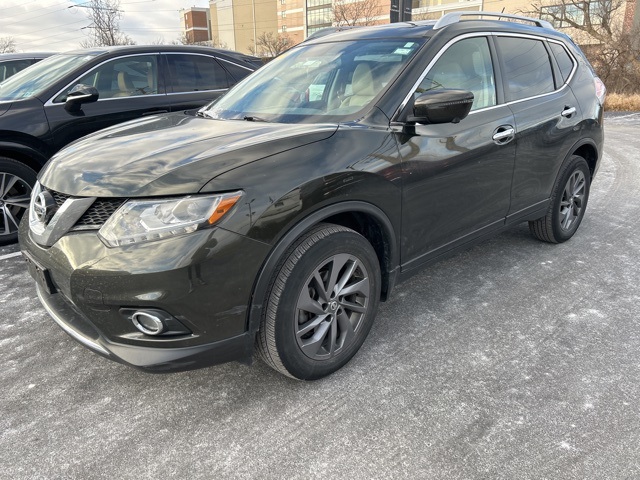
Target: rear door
[129, 87]
[547, 116]
[194, 80]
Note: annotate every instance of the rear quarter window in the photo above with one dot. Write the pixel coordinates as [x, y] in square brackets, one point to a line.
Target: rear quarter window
[565, 62]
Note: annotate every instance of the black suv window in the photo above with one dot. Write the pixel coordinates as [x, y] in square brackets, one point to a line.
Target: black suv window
[466, 65]
[191, 73]
[122, 77]
[564, 60]
[527, 67]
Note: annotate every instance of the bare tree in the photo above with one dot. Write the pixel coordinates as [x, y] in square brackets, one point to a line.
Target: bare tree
[7, 45]
[105, 24]
[605, 33]
[355, 12]
[270, 44]
[184, 39]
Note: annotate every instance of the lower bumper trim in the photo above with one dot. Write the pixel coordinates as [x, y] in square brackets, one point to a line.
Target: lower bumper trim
[149, 359]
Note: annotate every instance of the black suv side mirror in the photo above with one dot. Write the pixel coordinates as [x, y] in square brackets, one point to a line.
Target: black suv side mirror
[442, 106]
[78, 95]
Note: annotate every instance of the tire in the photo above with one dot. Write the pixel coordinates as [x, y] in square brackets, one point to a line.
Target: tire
[16, 183]
[568, 203]
[309, 329]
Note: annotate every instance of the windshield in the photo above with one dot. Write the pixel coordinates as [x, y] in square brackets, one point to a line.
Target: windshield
[321, 82]
[33, 80]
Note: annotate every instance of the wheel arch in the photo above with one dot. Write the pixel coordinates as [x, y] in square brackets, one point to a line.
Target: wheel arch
[588, 150]
[365, 218]
[28, 155]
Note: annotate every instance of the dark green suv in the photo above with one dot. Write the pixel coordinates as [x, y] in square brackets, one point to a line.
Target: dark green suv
[278, 216]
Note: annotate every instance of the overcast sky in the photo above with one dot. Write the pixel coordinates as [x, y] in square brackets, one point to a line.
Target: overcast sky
[57, 25]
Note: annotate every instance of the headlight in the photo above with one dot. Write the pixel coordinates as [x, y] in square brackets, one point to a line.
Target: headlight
[139, 221]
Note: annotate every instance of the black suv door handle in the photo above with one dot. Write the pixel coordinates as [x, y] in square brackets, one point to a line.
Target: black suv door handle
[503, 134]
[568, 111]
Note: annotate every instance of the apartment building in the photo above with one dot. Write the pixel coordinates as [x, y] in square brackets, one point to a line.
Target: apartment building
[237, 24]
[196, 24]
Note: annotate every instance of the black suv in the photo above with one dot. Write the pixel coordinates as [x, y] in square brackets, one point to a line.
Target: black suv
[279, 215]
[70, 95]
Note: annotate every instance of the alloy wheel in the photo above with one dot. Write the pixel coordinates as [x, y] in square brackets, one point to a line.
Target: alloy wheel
[572, 201]
[15, 195]
[331, 306]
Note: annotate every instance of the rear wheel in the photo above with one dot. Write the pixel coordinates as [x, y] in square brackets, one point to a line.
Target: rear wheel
[568, 203]
[321, 303]
[16, 182]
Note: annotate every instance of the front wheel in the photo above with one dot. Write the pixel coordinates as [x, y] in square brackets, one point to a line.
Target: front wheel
[321, 303]
[568, 203]
[16, 183]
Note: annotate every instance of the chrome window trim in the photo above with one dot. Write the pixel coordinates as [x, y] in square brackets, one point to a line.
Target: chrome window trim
[431, 64]
[50, 102]
[485, 34]
[235, 64]
[536, 37]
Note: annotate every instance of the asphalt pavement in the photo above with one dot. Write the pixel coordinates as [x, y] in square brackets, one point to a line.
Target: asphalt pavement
[513, 360]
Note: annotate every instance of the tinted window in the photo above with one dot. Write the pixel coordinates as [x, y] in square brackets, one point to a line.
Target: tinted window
[12, 67]
[191, 73]
[564, 60]
[236, 71]
[526, 67]
[466, 65]
[123, 77]
[32, 81]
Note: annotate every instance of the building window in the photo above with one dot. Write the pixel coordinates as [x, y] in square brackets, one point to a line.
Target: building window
[284, 28]
[282, 2]
[284, 14]
[562, 16]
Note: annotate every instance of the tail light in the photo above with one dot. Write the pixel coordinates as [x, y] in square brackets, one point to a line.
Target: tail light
[601, 90]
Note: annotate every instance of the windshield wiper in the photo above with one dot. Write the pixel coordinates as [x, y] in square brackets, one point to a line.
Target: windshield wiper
[250, 118]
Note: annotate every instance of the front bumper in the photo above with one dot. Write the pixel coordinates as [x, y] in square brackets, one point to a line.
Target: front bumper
[204, 280]
[155, 360]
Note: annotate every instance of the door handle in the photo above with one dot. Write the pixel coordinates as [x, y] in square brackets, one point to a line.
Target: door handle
[503, 134]
[568, 111]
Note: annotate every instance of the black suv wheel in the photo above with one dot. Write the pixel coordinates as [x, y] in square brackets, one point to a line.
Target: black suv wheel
[568, 203]
[321, 305]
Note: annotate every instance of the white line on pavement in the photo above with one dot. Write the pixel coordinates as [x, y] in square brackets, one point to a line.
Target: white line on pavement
[10, 255]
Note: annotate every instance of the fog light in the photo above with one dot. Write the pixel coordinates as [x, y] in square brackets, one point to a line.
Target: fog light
[154, 321]
[147, 323]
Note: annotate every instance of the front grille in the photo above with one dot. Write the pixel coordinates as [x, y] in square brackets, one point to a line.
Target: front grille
[96, 215]
[60, 198]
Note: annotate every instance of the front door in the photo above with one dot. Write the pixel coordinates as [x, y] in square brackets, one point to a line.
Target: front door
[129, 87]
[457, 177]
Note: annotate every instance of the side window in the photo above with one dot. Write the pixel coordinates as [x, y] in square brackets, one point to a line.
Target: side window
[527, 67]
[122, 77]
[465, 65]
[8, 69]
[564, 60]
[236, 71]
[192, 73]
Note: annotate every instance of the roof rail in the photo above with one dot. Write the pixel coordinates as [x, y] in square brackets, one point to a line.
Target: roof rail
[454, 17]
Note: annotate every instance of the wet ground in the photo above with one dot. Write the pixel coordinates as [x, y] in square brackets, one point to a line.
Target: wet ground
[513, 360]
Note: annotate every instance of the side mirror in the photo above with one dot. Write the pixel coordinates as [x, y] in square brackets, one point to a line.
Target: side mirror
[78, 95]
[442, 106]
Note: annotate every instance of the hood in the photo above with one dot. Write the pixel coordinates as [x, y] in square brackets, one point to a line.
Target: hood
[169, 154]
